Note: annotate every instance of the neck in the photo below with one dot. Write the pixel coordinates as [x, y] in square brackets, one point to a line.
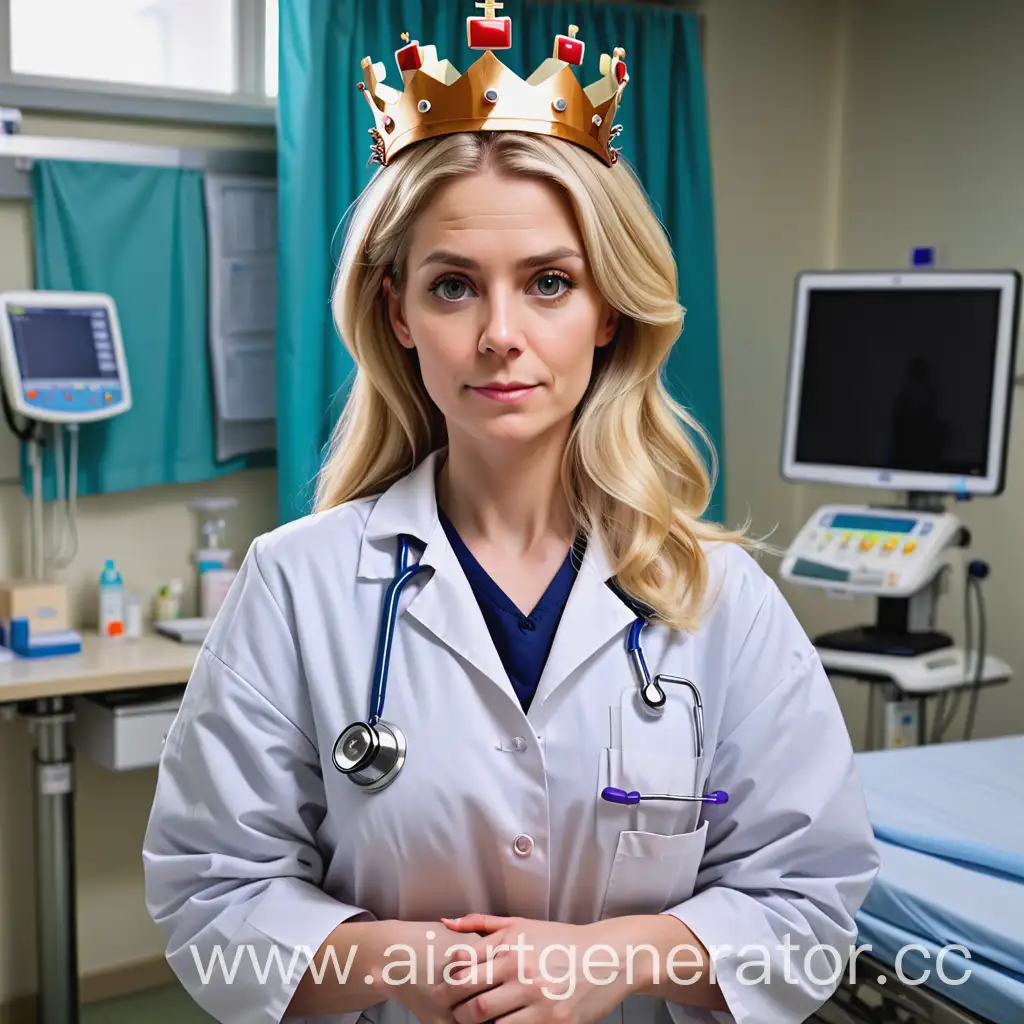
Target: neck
[510, 498]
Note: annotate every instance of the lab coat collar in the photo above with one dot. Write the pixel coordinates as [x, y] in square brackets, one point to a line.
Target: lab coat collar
[408, 506]
[592, 618]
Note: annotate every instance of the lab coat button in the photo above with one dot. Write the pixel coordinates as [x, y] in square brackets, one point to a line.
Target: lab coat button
[518, 743]
[523, 845]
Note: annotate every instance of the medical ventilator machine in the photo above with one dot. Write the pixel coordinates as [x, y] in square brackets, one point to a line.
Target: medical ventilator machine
[901, 382]
[62, 366]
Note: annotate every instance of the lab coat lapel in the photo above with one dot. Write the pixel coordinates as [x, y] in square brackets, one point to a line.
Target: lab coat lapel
[447, 607]
[444, 604]
[593, 617]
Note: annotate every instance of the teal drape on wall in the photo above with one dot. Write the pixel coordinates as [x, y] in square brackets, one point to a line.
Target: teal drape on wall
[139, 235]
[324, 145]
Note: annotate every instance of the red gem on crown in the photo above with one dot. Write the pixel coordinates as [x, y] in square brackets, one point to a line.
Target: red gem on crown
[569, 48]
[489, 32]
[409, 57]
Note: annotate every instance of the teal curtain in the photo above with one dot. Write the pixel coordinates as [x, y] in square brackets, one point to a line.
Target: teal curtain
[323, 150]
[139, 235]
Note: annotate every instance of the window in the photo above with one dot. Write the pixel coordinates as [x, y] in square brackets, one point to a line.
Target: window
[124, 54]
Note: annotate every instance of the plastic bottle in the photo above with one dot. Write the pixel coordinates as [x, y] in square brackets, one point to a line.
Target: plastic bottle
[111, 601]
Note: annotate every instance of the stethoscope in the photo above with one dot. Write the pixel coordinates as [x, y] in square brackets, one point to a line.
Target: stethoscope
[372, 753]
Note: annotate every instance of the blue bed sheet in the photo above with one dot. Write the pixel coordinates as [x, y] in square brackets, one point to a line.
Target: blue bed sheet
[949, 820]
[960, 801]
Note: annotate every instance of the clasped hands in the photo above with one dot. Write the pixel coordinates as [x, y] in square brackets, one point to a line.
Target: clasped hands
[513, 970]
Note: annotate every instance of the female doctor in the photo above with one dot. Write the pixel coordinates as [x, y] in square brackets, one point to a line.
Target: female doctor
[509, 300]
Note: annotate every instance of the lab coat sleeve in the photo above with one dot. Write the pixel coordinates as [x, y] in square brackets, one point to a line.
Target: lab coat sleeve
[790, 858]
[232, 866]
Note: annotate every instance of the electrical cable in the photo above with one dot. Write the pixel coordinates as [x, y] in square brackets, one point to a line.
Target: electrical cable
[976, 571]
[979, 670]
[27, 434]
[66, 548]
[945, 715]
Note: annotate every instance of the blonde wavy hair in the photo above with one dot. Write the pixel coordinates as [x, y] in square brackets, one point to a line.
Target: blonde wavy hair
[632, 475]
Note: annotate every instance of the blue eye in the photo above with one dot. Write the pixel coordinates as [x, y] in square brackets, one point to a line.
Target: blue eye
[450, 289]
[553, 286]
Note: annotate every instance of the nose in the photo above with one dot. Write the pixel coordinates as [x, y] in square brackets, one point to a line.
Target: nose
[501, 333]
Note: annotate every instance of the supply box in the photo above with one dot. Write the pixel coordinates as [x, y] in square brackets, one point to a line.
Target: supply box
[45, 605]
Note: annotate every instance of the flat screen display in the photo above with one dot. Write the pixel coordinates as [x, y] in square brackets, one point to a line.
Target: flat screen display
[64, 345]
[899, 379]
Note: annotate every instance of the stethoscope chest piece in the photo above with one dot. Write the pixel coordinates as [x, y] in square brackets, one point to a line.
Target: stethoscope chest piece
[370, 755]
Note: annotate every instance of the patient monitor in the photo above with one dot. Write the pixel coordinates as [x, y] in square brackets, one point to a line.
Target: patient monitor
[62, 356]
[898, 382]
[62, 363]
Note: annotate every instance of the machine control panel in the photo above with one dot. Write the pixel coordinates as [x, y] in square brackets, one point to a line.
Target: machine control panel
[863, 550]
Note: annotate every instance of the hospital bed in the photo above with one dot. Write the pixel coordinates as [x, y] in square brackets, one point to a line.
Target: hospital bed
[949, 821]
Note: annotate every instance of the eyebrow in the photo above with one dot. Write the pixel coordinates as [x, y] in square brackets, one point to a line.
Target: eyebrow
[453, 259]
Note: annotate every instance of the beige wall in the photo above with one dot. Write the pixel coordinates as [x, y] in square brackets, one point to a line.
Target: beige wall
[151, 534]
[776, 91]
[932, 157]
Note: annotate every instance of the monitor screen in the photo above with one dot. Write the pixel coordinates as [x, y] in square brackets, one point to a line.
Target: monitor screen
[67, 345]
[901, 381]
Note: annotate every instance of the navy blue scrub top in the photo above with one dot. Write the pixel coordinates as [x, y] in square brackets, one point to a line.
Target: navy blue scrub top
[522, 641]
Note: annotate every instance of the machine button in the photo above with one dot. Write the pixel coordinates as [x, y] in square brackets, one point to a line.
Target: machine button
[523, 845]
[867, 543]
[518, 743]
[909, 547]
[891, 543]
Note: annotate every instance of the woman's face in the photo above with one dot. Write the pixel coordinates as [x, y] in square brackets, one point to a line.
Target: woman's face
[500, 306]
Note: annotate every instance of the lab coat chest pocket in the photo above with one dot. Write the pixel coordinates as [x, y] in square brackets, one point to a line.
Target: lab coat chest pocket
[656, 757]
[652, 872]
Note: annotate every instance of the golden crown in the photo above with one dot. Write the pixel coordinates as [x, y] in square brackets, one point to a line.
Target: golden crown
[438, 100]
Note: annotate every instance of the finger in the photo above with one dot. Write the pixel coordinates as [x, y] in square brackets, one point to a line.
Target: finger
[467, 952]
[476, 923]
[462, 980]
[483, 949]
[489, 1005]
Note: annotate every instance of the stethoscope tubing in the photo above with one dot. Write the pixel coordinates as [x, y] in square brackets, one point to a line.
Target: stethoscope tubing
[389, 616]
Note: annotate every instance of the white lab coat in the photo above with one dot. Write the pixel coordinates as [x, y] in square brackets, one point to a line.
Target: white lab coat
[256, 840]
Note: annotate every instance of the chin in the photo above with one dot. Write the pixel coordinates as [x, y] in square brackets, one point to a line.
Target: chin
[513, 430]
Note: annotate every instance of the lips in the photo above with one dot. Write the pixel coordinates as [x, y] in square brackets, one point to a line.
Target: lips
[502, 391]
